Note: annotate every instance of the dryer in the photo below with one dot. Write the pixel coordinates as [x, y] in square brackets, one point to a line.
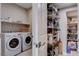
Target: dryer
[26, 40]
[11, 44]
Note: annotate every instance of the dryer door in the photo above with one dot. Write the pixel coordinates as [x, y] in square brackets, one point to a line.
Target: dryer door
[13, 43]
[28, 40]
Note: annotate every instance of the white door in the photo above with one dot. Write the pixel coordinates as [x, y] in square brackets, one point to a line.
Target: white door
[39, 29]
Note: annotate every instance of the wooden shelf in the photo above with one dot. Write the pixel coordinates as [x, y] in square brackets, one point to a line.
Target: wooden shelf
[49, 33]
[72, 16]
[14, 23]
[72, 40]
[7, 26]
[71, 33]
[53, 16]
[49, 27]
[72, 23]
[53, 27]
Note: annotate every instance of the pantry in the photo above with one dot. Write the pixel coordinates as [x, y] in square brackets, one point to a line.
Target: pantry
[62, 29]
[62, 39]
[52, 29]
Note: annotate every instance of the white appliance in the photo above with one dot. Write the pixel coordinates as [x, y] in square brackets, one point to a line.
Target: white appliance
[11, 44]
[26, 40]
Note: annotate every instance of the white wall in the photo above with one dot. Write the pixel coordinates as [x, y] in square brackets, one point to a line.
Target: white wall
[78, 28]
[63, 26]
[29, 12]
[17, 13]
[13, 11]
[0, 29]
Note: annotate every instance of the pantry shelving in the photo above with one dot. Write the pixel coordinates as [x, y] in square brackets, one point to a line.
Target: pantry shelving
[52, 28]
[72, 35]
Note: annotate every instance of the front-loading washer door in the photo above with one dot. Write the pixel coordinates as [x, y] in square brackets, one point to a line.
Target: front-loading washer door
[13, 43]
[28, 40]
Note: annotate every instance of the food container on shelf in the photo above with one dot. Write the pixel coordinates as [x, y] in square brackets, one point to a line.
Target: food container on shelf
[50, 38]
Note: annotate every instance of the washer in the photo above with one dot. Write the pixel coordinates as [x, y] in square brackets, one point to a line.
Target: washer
[26, 40]
[11, 44]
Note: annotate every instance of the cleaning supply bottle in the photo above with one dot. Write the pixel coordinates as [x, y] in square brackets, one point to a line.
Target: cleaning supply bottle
[60, 52]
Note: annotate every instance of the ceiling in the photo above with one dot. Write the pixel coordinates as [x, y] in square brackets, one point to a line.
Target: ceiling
[58, 5]
[63, 5]
[25, 5]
